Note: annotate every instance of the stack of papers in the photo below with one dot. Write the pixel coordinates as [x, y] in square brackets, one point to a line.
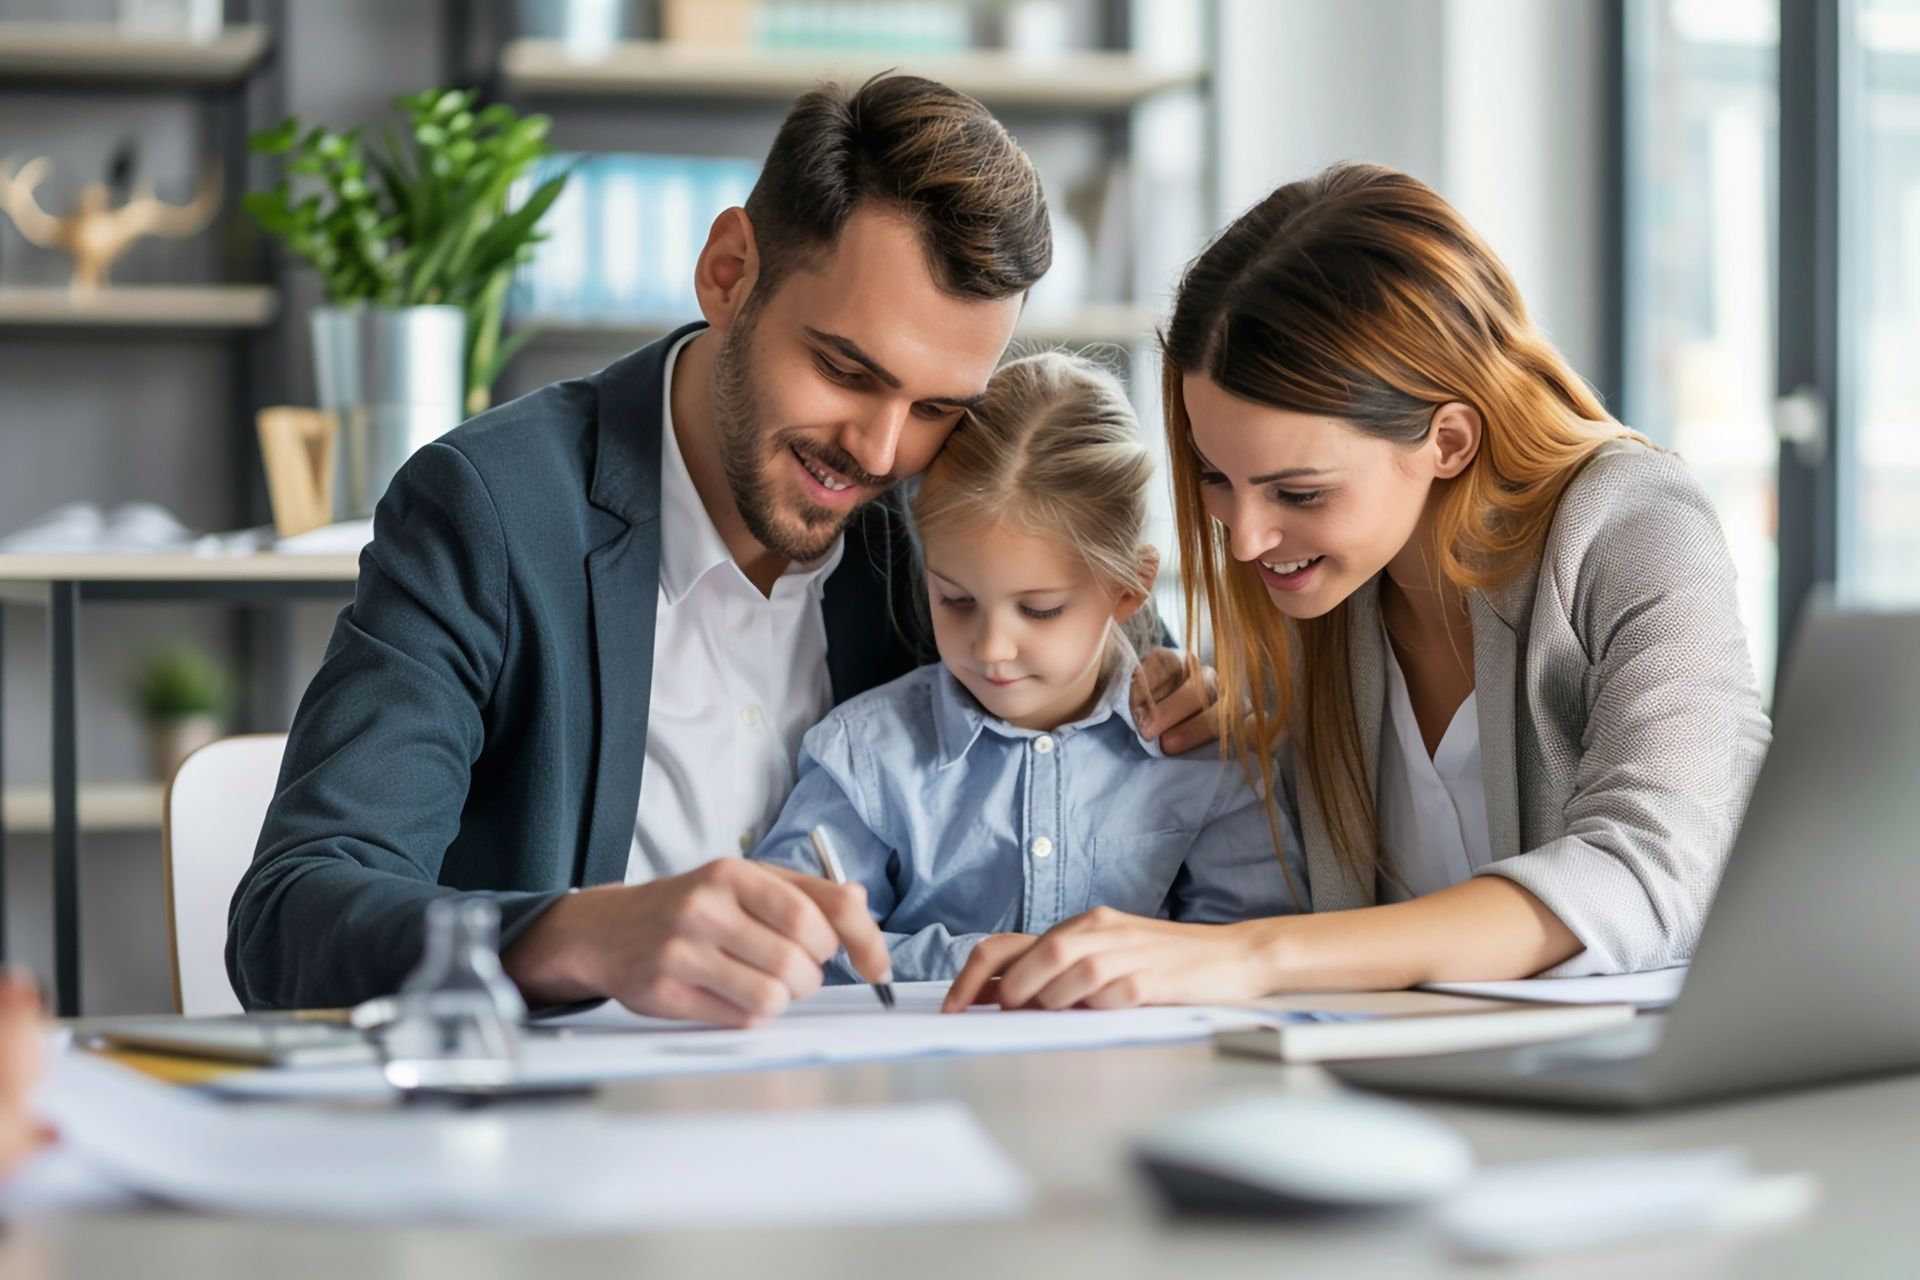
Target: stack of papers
[838, 1025]
[574, 1168]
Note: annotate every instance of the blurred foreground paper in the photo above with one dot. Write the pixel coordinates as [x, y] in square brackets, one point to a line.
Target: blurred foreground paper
[570, 1169]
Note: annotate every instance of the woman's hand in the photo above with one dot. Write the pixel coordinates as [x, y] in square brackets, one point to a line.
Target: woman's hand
[1106, 959]
[1172, 695]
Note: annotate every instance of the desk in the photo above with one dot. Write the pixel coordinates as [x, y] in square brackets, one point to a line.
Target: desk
[1066, 1120]
[60, 584]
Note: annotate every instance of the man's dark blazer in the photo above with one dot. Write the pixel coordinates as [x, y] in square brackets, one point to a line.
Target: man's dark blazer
[480, 720]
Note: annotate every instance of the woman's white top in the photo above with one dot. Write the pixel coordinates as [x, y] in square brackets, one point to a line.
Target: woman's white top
[1432, 810]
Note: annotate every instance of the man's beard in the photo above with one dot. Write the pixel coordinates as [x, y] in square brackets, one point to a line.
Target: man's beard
[748, 454]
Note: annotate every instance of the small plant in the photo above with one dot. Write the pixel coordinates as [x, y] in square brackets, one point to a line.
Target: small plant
[180, 682]
[418, 223]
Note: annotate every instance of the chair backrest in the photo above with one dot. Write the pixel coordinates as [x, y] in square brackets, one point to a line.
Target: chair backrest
[215, 806]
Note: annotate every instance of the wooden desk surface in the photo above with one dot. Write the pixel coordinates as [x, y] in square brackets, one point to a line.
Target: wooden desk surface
[1067, 1120]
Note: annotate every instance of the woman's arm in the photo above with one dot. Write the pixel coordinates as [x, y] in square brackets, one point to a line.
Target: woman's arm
[1482, 929]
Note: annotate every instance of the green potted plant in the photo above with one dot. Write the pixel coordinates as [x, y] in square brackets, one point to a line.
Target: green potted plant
[417, 249]
[181, 693]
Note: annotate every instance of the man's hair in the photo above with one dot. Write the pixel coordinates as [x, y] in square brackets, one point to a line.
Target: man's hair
[917, 148]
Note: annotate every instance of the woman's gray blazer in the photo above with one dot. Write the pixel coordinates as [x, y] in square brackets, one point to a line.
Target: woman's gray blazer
[1620, 725]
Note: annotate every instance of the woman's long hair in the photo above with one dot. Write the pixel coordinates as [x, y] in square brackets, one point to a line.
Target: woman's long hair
[1360, 294]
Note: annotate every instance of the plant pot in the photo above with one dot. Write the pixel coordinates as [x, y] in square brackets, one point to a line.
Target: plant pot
[395, 379]
[172, 740]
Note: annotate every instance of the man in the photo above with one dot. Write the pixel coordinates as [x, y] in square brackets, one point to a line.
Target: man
[594, 623]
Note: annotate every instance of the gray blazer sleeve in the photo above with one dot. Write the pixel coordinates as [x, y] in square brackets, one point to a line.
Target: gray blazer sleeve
[1669, 746]
[378, 762]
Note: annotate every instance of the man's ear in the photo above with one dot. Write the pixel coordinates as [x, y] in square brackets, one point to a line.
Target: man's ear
[1455, 438]
[727, 269]
[1130, 601]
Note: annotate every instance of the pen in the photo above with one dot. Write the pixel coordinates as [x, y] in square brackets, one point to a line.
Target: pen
[830, 868]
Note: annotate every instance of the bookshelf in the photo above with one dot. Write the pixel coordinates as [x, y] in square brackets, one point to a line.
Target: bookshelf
[1085, 80]
[1117, 324]
[1089, 109]
[228, 82]
[138, 308]
[97, 55]
[103, 806]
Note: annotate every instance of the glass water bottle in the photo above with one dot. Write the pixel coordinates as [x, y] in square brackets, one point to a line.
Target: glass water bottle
[456, 1021]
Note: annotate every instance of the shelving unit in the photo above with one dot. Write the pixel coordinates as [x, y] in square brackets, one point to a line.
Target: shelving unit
[90, 54]
[1100, 324]
[1086, 80]
[104, 806]
[1099, 88]
[28, 310]
[232, 83]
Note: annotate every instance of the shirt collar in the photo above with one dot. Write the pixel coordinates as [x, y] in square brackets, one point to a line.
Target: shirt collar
[959, 718]
[690, 547]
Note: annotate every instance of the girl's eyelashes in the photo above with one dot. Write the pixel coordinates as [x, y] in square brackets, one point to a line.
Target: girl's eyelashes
[961, 603]
[1211, 477]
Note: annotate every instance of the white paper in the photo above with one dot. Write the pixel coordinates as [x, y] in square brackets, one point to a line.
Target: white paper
[566, 1168]
[837, 1025]
[1652, 990]
[1540, 1207]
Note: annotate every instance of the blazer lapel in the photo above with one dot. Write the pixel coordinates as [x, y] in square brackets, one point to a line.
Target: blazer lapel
[1495, 668]
[623, 584]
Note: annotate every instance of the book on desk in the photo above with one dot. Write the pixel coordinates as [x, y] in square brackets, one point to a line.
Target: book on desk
[1393, 1024]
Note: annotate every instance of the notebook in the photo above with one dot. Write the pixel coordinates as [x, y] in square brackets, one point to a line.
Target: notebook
[1400, 1024]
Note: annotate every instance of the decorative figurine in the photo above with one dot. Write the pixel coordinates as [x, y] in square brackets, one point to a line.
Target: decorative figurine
[97, 233]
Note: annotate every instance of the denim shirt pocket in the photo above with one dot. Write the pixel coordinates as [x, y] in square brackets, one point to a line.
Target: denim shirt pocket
[1133, 871]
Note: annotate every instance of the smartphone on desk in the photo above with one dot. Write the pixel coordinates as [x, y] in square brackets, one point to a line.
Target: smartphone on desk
[269, 1041]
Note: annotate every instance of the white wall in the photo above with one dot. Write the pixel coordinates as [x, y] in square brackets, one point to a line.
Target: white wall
[1495, 103]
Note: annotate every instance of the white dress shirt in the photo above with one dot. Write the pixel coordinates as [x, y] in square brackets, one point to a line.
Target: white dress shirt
[1432, 810]
[738, 679]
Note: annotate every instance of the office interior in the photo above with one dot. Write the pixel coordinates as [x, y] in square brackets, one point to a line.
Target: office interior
[1712, 207]
[1626, 161]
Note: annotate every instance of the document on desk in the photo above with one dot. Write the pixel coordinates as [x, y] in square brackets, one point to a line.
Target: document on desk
[573, 1168]
[837, 1025]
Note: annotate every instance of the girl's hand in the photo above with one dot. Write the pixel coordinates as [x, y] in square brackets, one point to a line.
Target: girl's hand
[1106, 959]
[1171, 697]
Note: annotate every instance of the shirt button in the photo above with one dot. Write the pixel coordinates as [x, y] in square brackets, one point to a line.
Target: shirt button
[1043, 744]
[749, 716]
[746, 841]
[1041, 846]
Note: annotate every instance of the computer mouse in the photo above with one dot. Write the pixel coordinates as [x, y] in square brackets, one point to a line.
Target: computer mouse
[1302, 1152]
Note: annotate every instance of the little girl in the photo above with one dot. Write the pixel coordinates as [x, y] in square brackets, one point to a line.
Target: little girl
[1006, 788]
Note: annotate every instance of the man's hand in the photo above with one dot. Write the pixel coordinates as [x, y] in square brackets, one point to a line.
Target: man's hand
[729, 943]
[1172, 698]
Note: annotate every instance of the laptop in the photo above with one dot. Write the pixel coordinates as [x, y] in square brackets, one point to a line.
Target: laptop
[1808, 965]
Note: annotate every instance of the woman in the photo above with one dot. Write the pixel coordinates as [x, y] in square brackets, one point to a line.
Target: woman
[1498, 628]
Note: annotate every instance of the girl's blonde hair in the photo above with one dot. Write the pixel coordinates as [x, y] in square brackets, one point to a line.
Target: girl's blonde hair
[1054, 449]
[1360, 294]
